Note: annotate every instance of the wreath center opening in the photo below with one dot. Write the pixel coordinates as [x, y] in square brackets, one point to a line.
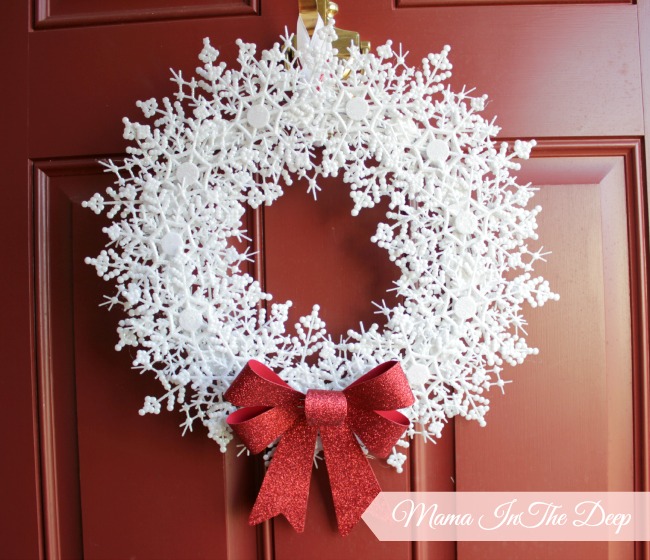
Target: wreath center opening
[317, 253]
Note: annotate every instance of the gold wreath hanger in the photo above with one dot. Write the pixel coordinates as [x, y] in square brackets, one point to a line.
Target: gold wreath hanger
[311, 9]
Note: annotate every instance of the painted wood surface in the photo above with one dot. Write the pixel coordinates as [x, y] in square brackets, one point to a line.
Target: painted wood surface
[85, 476]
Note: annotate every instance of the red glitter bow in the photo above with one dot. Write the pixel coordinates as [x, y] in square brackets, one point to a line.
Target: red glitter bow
[273, 410]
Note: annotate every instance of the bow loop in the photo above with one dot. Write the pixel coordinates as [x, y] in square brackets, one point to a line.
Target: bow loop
[384, 387]
[257, 385]
[259, 426]
[378, 430]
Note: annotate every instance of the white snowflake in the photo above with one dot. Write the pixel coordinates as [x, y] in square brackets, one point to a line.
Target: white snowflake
[457, 229]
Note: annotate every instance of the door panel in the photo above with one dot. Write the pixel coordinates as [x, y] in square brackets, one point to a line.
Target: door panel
[106, 469]
[549, 71]
[573, 402]
[88, 477]
[67, 13]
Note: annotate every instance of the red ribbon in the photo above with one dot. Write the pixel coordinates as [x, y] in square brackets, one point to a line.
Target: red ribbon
[275, 410]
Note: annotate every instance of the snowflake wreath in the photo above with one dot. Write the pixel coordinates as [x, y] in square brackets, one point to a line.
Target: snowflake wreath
[456, 228]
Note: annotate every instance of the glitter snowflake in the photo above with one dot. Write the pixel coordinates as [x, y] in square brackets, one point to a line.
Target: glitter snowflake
[457, 229]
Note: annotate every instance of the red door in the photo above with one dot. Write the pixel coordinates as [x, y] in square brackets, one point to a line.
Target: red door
[83, 476]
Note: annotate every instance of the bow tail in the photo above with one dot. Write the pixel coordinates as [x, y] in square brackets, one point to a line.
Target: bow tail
[285, 488]
[353, 482]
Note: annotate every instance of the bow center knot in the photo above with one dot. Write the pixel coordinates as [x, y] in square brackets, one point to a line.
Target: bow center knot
[325, 408]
